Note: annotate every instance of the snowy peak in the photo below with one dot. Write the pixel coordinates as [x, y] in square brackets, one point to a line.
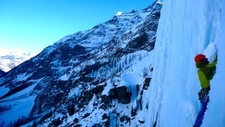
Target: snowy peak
[119, 13]
[159, 2]
[12, 58]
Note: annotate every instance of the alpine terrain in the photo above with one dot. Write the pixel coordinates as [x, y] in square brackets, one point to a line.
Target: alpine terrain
[12, 58]
[97, 77]
[122, 73]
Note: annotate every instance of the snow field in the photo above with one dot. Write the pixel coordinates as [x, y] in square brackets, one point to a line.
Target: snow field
[20, 104]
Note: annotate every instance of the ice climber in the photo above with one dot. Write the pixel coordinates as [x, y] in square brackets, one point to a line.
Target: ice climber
[206, 72]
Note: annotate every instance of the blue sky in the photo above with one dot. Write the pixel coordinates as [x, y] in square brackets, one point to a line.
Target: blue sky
[32, 25]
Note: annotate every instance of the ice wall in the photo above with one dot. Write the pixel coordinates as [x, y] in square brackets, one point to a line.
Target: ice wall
[185, 29]
[215, 115]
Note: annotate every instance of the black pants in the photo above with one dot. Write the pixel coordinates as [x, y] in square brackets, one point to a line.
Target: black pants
[203, 93]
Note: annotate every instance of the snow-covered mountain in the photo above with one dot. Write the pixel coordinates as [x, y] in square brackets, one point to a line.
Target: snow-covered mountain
[98, 77]
[12, 58]
[116, 74]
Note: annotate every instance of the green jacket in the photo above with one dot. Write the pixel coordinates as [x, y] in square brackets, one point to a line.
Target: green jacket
[206, 73]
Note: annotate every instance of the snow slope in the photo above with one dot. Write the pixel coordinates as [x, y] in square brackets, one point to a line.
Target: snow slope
[185, 29]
